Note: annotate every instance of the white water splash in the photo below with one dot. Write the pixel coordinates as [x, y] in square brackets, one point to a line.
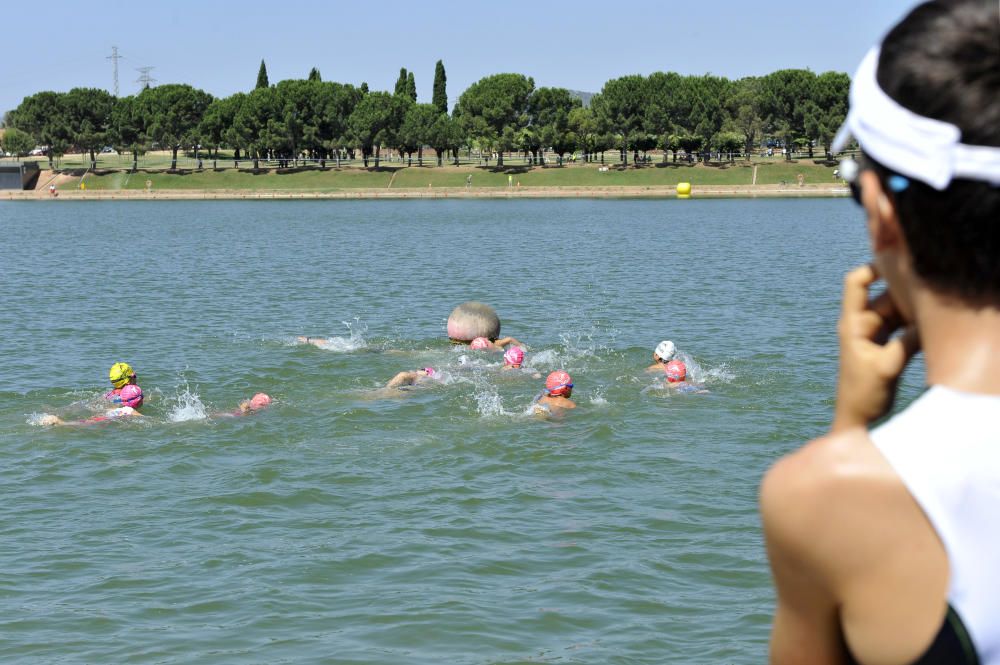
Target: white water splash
[355, 339]
[188, 407]
[39, 419]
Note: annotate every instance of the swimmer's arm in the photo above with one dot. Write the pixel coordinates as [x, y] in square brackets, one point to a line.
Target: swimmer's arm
[315, 341]
[403, 379]
[504, 341]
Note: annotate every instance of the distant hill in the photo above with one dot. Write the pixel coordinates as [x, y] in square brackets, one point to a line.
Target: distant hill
[582, 96]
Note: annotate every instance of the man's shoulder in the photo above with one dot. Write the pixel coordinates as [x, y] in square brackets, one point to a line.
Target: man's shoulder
[826, 494]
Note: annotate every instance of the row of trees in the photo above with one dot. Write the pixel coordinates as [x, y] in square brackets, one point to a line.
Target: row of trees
[499, 113]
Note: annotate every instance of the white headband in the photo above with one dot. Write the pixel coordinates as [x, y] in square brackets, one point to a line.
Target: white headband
[922, 148]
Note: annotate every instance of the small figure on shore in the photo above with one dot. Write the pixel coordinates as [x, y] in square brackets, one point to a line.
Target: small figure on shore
[131, 400]
[411, 378]
[468, 181]
[676, 372]
[664, 353]
[121, 375]
[558, 390]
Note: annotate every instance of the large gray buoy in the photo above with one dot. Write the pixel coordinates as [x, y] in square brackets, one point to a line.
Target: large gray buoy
[471, 320]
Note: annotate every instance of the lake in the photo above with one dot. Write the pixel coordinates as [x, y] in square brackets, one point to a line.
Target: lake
[441, 524]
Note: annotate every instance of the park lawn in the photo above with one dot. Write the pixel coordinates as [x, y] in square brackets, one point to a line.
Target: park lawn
[774, 173]
[415, 177]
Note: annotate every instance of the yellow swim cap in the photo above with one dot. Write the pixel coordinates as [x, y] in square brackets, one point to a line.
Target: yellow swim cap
[120, 373]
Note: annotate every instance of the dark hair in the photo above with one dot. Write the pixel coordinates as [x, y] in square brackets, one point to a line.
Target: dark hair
[943, 61]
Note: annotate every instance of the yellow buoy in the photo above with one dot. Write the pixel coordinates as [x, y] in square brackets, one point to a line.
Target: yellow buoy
[683, 190]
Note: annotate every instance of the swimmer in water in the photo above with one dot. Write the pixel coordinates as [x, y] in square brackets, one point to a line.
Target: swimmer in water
[558, 390]
[258, 402]
[318, 342]
[411, 378]
[676, 372]
[513, 358]
[121, 375]
[486, 344]
[131, 399]
[664, 353]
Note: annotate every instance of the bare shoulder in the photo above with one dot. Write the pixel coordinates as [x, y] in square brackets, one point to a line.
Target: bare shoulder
[819, 500]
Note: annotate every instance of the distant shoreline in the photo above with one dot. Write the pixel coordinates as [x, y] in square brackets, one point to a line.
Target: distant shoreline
[701, 191]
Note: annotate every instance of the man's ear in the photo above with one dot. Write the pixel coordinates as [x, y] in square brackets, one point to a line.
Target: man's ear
[883, 220]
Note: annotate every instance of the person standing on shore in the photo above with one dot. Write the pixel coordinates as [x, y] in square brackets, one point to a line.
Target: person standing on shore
[884, 543]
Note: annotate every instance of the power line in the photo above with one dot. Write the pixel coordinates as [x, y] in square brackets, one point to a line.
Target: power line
[114, 57]
[145, 80]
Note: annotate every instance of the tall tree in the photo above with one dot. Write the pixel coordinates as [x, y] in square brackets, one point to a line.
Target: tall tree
[400, 88]
[494, 109]
[784, 94]
[43, 116]
[172, 114]
[445, 134]
[128, 128]
[88, 112]
[440, 98]
[745, 109]
[620, 106]
[416, 129]
[16, 142]
[374, 122]
[411, 87]
[262, 81]
[548, 115]
[831, 100]
[314, 75]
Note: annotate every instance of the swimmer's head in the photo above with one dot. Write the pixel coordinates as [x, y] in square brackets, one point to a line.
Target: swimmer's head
[480, 343]
[513, 356]
[676, 371]
[430, 371]
[558, 384]
[132, 396]
[665, 351]
[120, 374]
[259, 401]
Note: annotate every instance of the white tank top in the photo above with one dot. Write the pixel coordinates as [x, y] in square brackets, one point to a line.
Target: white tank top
[946, 449]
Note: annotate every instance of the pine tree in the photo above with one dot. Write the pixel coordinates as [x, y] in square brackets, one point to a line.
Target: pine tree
[262, 76]
[440, 99]
[364, 87]
[314, 75]
[411, 86]
[401, 82]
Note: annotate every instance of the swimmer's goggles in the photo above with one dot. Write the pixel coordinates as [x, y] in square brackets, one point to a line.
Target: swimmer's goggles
[559, 387]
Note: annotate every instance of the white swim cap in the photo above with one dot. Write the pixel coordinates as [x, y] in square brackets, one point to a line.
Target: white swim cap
[665, 350]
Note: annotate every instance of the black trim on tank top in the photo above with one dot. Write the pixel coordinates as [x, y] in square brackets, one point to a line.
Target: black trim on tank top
[951, 646]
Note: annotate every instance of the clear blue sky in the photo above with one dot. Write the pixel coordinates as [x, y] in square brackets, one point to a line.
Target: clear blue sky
[217, 45]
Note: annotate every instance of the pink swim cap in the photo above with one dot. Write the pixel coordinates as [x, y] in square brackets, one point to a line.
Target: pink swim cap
[481, 343]
[513, 356]
[430, 371]
[558, 383]
[131, 395]
[259, 401]
[676, 371]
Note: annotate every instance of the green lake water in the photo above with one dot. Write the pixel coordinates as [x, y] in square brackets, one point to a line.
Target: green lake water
[441, 525]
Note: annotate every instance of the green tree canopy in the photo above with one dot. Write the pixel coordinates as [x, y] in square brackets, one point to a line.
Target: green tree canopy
[314, 75]
[262, 81]
[172, 114]
[374, 122]
[784, 94]
[440, 97]
[400, 88]
[44, 116]
[620, 106]
[88, 112]
[17, 142]
[493, 109]
[548, 114]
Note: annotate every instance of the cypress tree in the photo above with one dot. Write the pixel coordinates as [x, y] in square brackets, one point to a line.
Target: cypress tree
[411, 86]
[364, 87]
[262, 76]
[314, 75]
[401, 82]
[440, 99]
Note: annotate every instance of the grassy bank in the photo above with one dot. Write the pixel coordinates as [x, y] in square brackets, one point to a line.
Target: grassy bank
[402, 177]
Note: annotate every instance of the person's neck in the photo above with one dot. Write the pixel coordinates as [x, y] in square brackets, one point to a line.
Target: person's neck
[961, 343]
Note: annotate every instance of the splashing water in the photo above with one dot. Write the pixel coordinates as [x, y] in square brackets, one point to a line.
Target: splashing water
[188, 407]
